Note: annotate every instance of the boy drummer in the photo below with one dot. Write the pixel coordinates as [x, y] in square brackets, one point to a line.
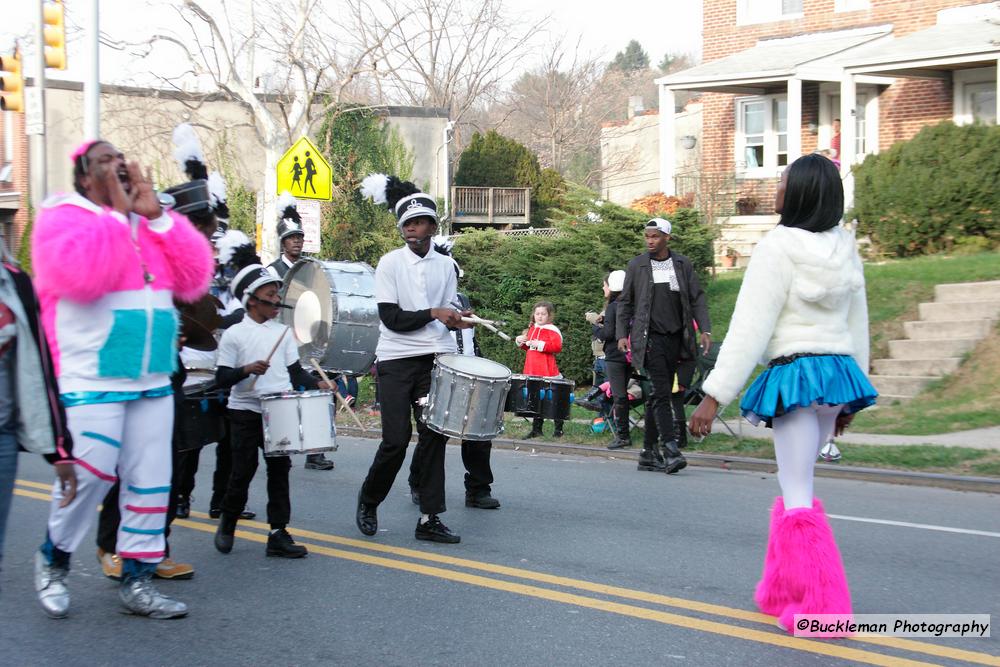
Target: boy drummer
[258, 356]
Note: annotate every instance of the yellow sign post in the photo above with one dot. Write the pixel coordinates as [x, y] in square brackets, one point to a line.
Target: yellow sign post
[304, 173]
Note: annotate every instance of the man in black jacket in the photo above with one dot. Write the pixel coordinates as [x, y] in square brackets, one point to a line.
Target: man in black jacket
[660, 299]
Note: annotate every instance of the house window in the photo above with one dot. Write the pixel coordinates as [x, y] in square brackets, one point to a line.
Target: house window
[761, 135]
[975, 93]
[765, 11]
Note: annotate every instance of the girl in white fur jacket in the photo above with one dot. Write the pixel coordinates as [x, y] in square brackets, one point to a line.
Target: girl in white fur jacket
[802, 311]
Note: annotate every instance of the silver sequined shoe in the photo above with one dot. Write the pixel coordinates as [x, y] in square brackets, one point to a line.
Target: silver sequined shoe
[140, 597]
[50, 583]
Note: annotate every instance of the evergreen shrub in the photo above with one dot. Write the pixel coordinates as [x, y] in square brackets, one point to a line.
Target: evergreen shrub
[933, 193]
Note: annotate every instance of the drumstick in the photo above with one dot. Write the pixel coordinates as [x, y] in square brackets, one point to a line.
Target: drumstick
[268, 360]
[488, 324]
[337, 396]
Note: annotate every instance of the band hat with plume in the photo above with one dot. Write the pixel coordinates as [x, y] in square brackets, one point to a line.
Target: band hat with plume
[191, 197]
[289, 220]
[403, 198]
[238, 251]
[217, 195]
[444, 245]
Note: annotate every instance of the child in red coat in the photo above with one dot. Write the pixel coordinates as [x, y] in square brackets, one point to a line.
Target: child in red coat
[543, 341]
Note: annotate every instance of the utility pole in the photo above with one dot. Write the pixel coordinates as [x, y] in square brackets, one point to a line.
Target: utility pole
[39, 162]
[92, 83]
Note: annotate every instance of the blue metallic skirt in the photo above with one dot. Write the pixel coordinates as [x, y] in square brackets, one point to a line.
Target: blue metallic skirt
[800, 380]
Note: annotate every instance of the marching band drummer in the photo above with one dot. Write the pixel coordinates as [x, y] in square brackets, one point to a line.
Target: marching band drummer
[414, 288]
[475, 453]
[244, 364]
[292, 237]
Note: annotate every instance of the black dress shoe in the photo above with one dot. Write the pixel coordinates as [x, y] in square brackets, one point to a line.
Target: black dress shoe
[483, 502]
[318, 462]
[366, 517]
[648, 460]
[435, 531]
[620, 442]
[246, 515]
[414, 496]
[183, 509]
[281, 544]
[215, 513]
[675, 464]
[225, 533]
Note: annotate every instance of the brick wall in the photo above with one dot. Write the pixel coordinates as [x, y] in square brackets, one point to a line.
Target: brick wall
[904, 107]
[19, 177]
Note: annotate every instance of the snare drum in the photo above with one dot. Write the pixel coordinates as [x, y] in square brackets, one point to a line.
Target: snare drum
[525, 396]
[467, 397]
[533, 396]
[199, 382]
[298, 422]
[198, 418]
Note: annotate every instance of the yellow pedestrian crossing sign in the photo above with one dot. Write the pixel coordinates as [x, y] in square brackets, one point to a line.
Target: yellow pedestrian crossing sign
[303, 172]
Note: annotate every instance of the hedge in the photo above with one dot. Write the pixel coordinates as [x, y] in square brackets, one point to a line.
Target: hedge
[504, 277]
[936, 192]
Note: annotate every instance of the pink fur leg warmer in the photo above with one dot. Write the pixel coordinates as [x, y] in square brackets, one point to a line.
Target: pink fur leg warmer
[772, 594]
[809, 563]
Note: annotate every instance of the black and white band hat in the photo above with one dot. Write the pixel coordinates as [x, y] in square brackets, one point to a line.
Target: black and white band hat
[289, 227]
[414, 206]
[250, 279]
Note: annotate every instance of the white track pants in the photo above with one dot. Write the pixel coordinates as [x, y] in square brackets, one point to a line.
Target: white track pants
[129, 440]
[798, 437]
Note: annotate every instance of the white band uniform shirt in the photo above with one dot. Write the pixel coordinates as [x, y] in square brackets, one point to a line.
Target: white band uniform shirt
[247, 342]
[415, 283]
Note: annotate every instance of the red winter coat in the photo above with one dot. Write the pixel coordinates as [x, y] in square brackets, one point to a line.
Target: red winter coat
[547, 341]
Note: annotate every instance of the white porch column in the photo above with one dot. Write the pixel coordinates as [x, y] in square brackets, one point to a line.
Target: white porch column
[794, 120]
[848, 134]
[998, 91]
[667, 147]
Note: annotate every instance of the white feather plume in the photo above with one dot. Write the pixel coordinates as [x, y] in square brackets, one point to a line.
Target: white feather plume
[284, 201]
[217, 187]
[186, 145]
[229, 242]
[373, 186]
[443, 242]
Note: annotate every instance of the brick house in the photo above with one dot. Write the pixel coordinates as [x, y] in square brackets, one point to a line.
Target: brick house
[13, 178]
[778, 75]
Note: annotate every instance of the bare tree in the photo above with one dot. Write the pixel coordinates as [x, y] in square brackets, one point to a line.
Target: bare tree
[287, 64]
[559, 108]
[447, 53]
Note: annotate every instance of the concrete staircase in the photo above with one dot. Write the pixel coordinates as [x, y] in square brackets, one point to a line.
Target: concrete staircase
[740, 233]
[961, 315]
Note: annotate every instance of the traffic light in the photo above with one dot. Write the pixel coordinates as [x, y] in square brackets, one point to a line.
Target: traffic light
[11, 83]
[55, 34]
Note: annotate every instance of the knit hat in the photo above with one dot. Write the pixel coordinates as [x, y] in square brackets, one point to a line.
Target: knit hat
[616, 281]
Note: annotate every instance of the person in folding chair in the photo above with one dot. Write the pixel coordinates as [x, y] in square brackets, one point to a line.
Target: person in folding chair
[801, 310]
[660, 300]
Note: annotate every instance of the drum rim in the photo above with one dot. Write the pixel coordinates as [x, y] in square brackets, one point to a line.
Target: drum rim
[296, 394]
[454, 370]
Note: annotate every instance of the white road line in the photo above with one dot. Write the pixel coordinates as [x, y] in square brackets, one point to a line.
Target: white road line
[907, 524]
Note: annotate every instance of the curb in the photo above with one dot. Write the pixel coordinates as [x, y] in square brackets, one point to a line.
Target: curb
[726, 462]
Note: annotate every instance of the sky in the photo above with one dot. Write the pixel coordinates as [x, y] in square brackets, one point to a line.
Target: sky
[661, 26]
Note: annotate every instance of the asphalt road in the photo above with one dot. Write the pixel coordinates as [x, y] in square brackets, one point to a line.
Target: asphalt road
[587, 562]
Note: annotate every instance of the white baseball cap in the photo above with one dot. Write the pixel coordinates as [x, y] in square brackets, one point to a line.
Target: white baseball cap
[660, 224]
[616, 281]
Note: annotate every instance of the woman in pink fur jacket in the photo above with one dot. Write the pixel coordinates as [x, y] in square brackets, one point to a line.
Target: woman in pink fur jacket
[802, 312]
[109, 262]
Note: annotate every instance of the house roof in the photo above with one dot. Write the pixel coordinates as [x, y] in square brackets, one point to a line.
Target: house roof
[772, 60]
[936, 48]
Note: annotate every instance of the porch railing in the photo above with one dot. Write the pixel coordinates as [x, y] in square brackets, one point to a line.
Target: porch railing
[491, 206]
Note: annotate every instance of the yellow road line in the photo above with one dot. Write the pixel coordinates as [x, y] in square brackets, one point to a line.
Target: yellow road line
[692, 605]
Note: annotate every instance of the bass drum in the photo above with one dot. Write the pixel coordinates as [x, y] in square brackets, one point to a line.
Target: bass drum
[333, 314]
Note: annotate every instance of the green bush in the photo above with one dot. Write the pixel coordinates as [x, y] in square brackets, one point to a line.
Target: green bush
[933, 192]
[504, 276]
[493, 160]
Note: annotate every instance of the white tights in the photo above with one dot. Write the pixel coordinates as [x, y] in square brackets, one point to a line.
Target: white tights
[798, 437]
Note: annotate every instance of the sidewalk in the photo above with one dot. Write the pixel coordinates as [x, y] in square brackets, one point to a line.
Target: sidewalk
[980, 438]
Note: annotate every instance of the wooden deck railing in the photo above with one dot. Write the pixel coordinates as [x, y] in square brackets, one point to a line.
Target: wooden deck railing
[491, 206]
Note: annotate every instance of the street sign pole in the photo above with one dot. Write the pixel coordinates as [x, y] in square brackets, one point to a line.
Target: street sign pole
[92, 84]
[39, 161]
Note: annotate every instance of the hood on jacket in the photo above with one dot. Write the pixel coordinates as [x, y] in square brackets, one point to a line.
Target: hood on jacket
[826, 263]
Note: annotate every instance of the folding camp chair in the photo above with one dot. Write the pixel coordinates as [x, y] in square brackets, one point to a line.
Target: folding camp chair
[703, 366]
